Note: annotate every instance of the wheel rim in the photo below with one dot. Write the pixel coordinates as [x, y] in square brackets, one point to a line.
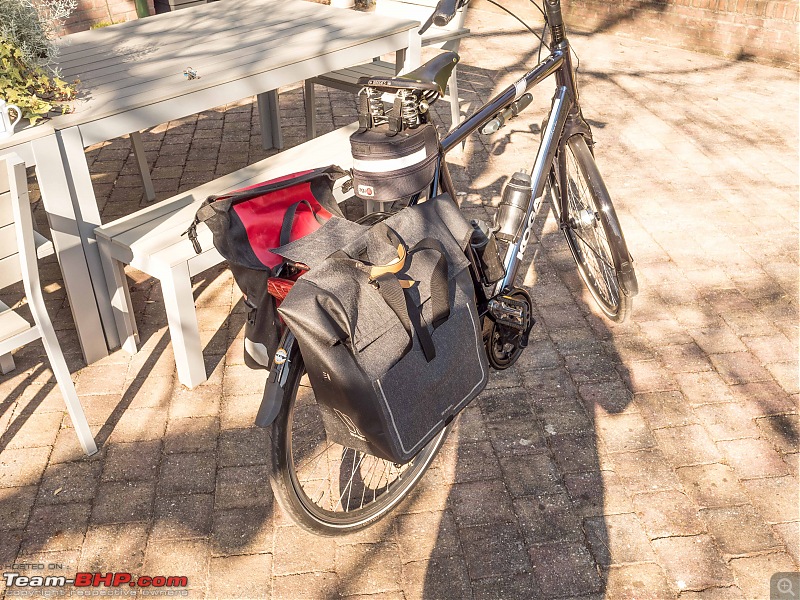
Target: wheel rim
[587, 238]
[339, 486]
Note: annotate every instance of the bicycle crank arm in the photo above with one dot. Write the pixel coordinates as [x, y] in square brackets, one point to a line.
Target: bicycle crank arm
[274, 392]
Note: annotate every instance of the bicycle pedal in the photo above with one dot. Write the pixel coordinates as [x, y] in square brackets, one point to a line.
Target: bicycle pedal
[510, 312]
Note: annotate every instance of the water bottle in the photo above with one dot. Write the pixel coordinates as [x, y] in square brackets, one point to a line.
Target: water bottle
[509, 222]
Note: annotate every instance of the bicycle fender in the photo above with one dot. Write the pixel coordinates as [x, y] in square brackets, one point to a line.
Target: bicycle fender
[627, 279]
[274, 392]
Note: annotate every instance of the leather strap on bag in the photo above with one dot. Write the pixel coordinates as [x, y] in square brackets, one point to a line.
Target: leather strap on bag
[391, 287]
[393, 266]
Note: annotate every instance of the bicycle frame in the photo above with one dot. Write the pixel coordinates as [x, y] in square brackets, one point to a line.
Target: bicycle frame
[563, 121]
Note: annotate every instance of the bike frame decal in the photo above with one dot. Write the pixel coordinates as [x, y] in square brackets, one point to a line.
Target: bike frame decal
[521, 86]
[562, 102]
[526, 235]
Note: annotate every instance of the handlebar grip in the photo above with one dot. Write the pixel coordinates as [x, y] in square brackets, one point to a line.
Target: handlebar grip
[444, 12]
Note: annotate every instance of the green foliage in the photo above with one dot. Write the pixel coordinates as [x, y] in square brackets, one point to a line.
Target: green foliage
[36, 92]
[28, 77]
[32, 25]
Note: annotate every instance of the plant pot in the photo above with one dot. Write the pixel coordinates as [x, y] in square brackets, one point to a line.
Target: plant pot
[162, 6]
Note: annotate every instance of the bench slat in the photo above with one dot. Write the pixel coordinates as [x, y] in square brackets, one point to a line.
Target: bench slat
[6, 212]
[351, 75]
[11, 323]
[8, 241]
[10, 268]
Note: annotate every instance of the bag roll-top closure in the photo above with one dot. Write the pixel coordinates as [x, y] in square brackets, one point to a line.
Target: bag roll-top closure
[331, 172]
[216, 204]
[394, 287]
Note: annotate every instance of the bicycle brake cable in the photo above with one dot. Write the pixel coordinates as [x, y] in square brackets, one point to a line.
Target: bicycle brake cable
[539, 8]
[544, 32]
[524, 24]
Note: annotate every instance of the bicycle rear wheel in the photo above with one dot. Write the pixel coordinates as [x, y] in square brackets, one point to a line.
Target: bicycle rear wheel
[592, 230]
[326, 488]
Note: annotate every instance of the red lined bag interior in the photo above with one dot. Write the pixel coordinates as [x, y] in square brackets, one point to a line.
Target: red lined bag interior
[262, 217]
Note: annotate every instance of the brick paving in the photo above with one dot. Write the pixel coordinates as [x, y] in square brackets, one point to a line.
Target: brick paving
[654, 459]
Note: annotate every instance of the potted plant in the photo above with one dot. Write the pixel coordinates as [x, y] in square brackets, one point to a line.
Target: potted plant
[28, 72]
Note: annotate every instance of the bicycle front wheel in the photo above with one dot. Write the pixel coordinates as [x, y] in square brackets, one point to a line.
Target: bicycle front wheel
[326, 488]
[592, 230]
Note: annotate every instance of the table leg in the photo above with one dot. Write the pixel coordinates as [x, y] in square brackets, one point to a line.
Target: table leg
[270, 116]
[310, 98]
[144, 168]
[408, 59]
[56, 197]
[85, 206]
[6, 363]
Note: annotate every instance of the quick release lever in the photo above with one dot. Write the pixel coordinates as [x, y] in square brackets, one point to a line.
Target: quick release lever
[513, 110]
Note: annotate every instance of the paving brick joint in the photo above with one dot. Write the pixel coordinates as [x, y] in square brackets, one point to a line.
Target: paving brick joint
[660, 455]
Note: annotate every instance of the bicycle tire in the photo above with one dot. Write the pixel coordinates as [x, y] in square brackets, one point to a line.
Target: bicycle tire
[297, 501]
[592, 230]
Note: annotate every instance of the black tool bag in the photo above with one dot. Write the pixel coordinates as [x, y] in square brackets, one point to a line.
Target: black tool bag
[389, 166]
[389, 332]
[247, 224]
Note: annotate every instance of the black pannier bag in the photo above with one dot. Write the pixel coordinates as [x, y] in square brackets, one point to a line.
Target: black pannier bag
[389, 332]
[247, 224]
[388, 167]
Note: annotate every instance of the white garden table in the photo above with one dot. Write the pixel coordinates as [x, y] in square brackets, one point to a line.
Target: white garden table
[40, 144]
[132, 78]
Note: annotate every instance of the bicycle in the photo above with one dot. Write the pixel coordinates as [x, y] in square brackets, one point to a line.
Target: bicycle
[333, 490]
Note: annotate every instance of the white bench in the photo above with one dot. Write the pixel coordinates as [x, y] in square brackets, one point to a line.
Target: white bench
[151, 241]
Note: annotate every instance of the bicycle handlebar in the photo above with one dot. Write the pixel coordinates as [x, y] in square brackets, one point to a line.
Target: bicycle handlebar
[444, 12]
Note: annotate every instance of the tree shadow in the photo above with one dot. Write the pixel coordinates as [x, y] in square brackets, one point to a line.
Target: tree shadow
[629, 13]
[146, 487]
[537, 506]
[529, 511]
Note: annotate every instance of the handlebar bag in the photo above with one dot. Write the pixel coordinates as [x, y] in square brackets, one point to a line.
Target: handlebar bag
[389, 332]
[247, 224]
[388, 166]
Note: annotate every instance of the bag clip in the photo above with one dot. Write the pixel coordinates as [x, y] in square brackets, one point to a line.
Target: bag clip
[192, 233]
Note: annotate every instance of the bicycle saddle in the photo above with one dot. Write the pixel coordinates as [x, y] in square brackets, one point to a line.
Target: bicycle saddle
[432, 76]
